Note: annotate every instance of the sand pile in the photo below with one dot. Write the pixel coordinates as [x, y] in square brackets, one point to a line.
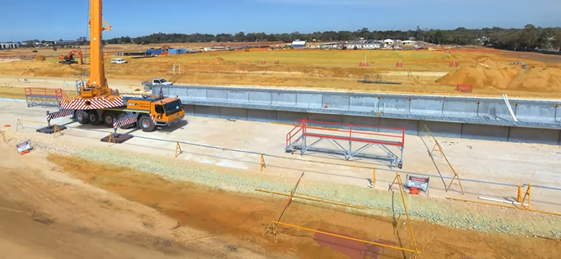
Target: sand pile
[491, 74]
[538, 79]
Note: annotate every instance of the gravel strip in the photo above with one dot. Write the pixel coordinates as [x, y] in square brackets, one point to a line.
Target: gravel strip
[438, 211]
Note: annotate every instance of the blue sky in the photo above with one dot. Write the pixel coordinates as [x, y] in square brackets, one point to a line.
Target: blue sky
[67, 19]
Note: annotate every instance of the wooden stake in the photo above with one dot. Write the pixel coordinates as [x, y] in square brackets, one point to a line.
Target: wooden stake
[19, 124]
[527, 194]
[373, 177]
[111, 139]
[396, 180]
[56, 130]
[178, 148]
[262, 163]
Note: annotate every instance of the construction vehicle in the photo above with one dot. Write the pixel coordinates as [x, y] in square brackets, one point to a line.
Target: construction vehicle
[155, 82]
[69, 59]
[96, 103]
[118, 61]
[165, 49]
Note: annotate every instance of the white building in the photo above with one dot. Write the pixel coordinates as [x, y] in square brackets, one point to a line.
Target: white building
[299, 44]
[368, 44]
[8, 45]
[408, 43]
[389, 42]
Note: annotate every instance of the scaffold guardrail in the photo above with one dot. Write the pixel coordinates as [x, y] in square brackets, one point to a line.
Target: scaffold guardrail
[390, 140]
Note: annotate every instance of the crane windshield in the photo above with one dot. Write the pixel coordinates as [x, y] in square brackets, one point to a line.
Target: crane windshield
[172, 107]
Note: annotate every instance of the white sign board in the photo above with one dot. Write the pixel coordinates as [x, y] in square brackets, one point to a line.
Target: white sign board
[421, 183]
[23, 146]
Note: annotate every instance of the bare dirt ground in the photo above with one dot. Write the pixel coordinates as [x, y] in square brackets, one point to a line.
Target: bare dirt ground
[45, 213]
[52, 208]
[421, 73]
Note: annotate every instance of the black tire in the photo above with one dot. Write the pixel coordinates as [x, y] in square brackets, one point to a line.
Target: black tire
[146, 124]
[94, 117]
[108, 118]
[82, 117]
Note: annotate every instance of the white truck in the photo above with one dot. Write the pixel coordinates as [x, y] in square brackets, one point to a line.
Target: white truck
[118, 61]
[155, 82]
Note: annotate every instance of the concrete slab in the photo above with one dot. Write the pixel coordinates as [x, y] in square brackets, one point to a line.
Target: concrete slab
[544, 136]
[262, 115]
[233, 113]
[442, 129]
[207, 111]
[513, 163]
[485, 132]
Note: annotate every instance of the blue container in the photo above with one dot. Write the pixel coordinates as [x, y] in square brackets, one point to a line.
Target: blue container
[154, 51]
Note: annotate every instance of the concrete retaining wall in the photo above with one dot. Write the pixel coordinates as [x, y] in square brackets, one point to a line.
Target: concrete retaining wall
[539, 121]
[544, 114]
[413, 127]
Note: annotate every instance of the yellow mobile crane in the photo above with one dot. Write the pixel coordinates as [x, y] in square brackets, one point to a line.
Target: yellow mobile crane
[97, 103]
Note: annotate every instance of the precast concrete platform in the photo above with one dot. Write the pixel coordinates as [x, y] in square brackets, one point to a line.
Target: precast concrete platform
[501, 119]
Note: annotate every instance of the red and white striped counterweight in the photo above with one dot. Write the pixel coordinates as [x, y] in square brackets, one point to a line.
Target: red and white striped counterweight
[94, 103]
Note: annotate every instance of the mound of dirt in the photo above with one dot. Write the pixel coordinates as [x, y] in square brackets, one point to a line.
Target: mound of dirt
[538, 79]
[491, 74]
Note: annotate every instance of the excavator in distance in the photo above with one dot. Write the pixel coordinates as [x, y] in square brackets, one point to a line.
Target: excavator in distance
[69, 59]
[96, 103]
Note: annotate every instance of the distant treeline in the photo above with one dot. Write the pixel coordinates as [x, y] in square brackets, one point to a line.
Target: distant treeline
[528, 38]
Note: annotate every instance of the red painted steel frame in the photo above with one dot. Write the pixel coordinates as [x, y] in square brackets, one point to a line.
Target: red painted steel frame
[302, 126]
[43, 91]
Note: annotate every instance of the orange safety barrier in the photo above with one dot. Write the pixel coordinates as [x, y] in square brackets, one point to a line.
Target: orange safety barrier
[464, 87]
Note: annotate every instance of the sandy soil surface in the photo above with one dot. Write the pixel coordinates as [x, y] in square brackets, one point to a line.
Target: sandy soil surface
[46, 213]
[61, 206]
[490, 73]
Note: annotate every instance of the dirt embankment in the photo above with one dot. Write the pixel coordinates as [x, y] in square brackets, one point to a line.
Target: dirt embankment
[138, 207]
[504, 76]
[247, 216]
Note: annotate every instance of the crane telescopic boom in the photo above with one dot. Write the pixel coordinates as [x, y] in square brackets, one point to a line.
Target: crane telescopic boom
[97, 69]
[96, 94]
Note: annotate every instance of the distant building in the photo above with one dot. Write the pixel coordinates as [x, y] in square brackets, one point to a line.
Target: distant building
[67, 43]
[366, 44]
[408, 42]
[374, 44]
[48, 43]
[8, 45]
[354, 44]
[332, 45]
[299, 44]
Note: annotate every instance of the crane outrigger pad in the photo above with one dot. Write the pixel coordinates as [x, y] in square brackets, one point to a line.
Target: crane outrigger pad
[51, 129]
[116, 138]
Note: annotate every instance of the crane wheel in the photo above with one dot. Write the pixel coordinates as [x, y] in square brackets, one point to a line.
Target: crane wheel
[108, 118]
[146, 124]
[82, 117]
[94, 117]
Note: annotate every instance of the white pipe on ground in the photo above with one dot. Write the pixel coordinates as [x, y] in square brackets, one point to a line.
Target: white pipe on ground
[505, 98]
[498, 200]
